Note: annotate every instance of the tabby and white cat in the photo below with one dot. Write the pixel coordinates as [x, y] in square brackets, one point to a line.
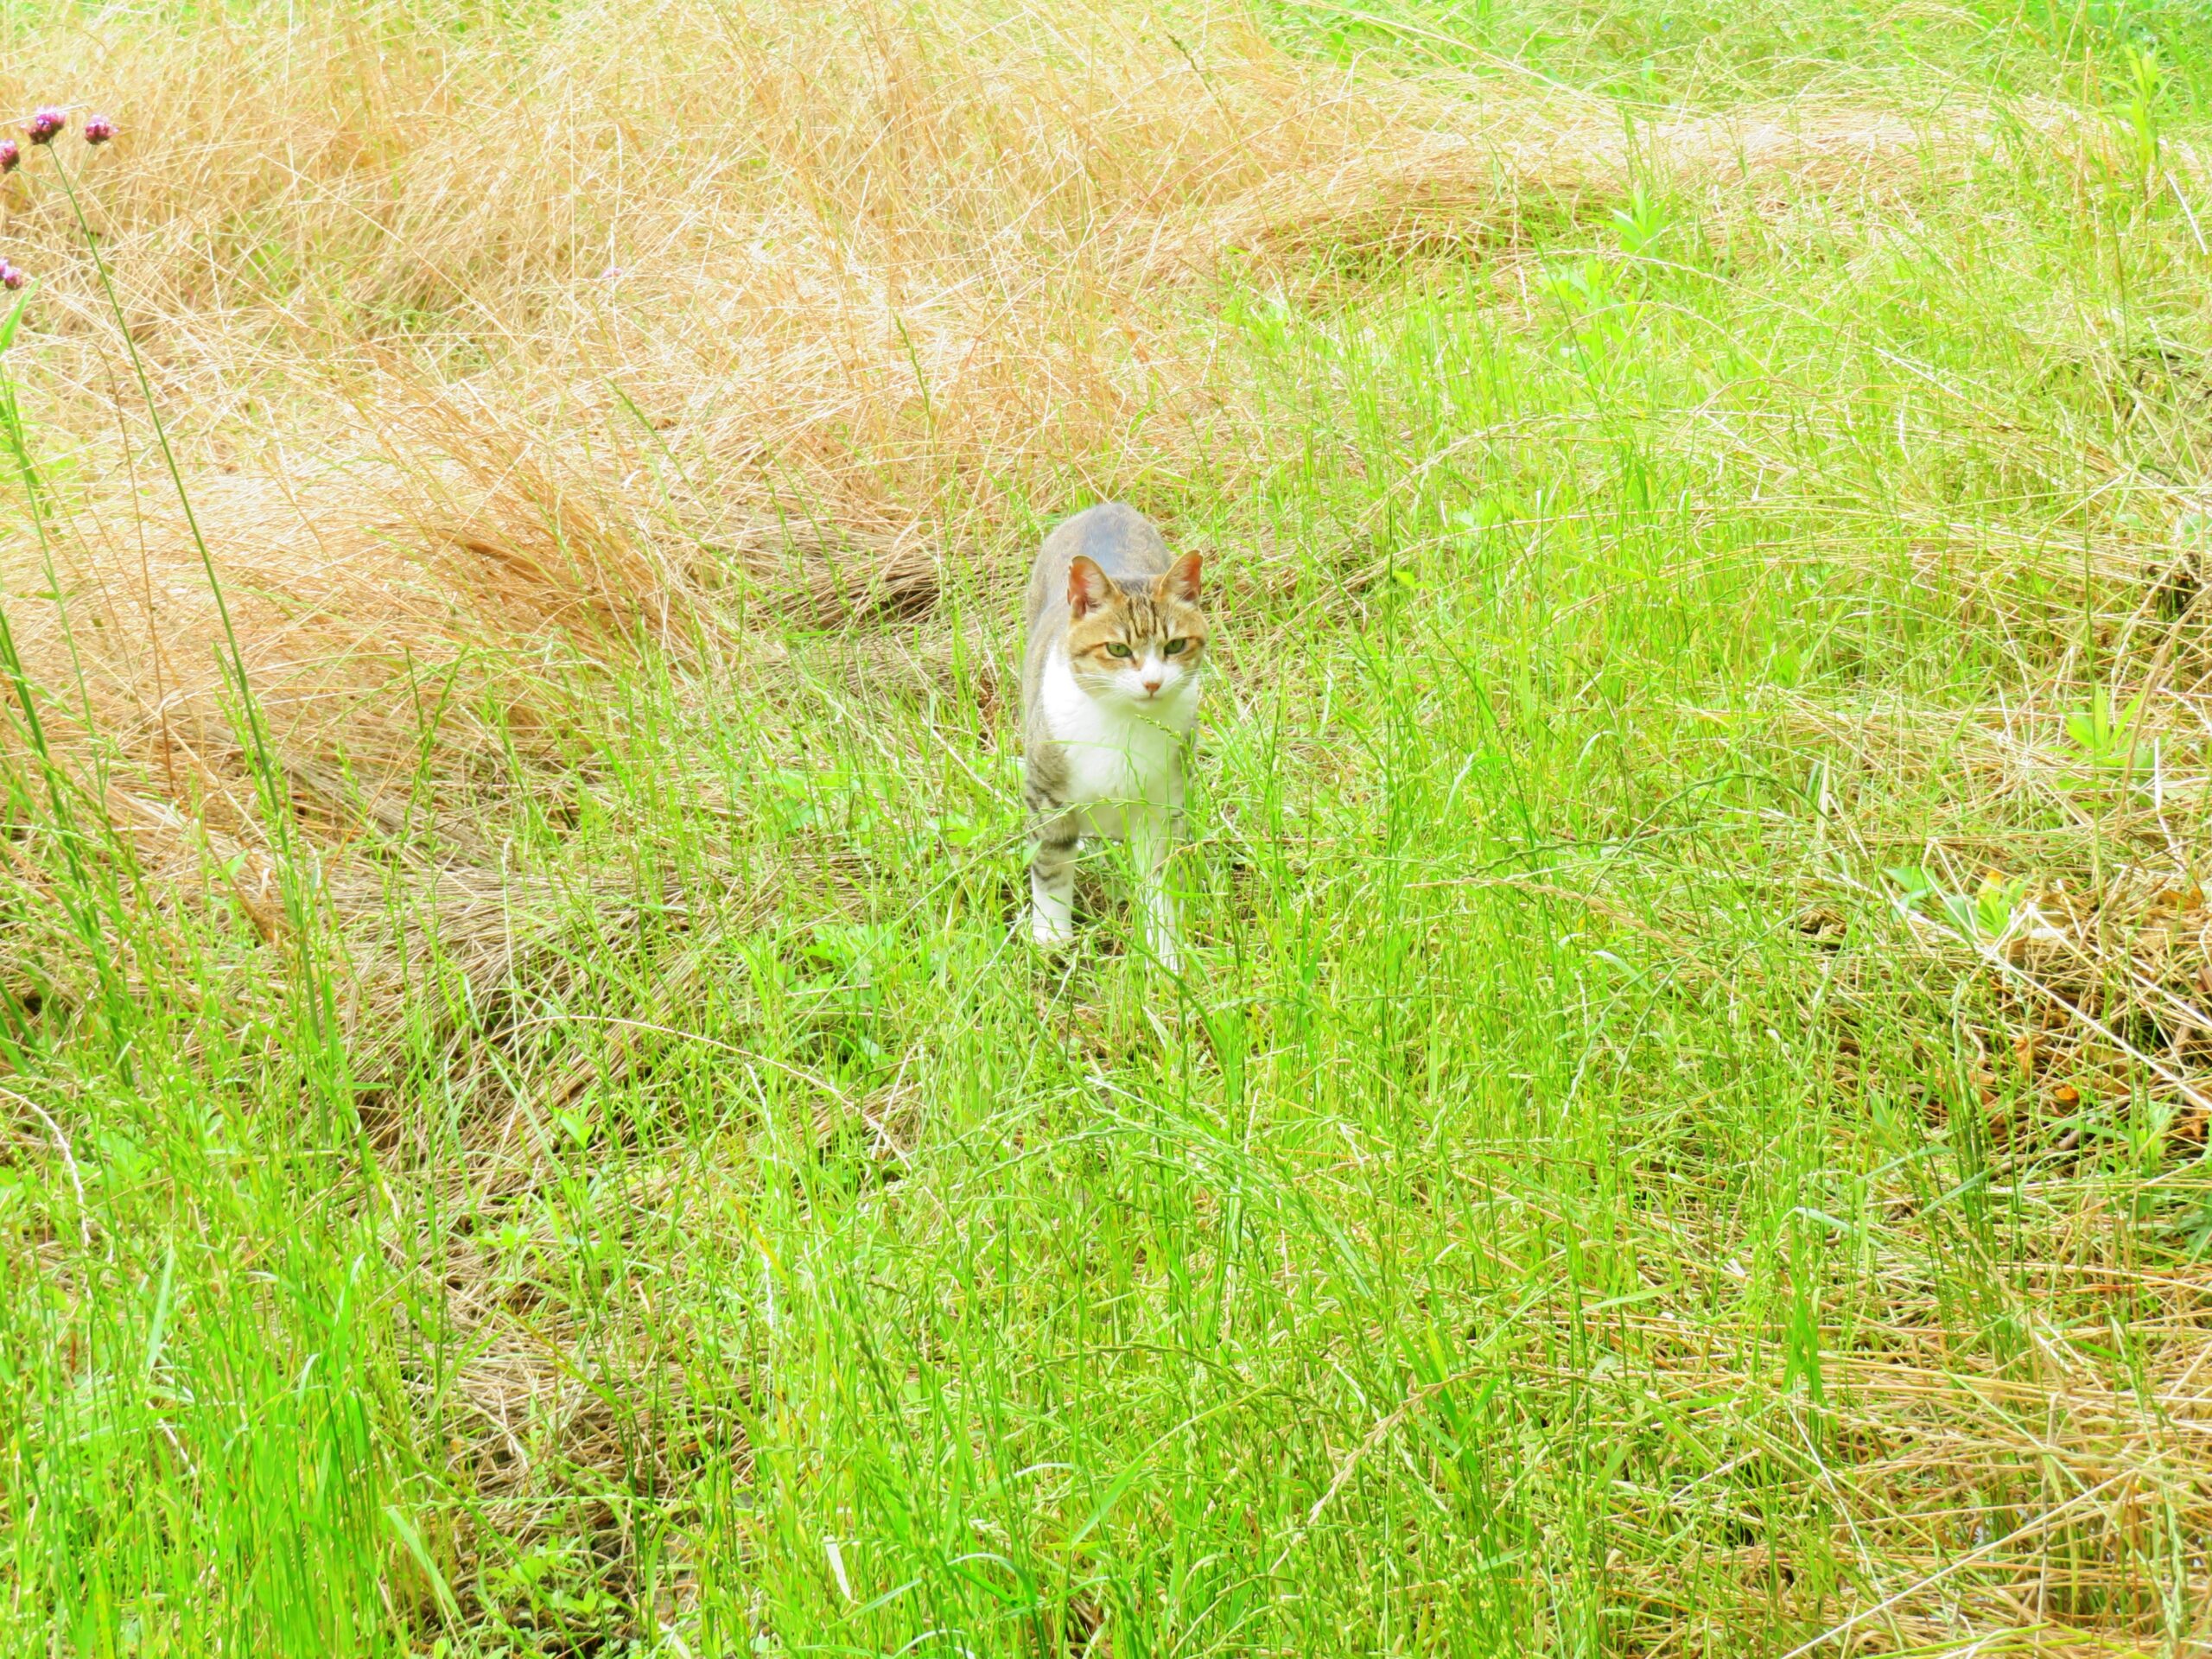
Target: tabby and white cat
[1110, 695]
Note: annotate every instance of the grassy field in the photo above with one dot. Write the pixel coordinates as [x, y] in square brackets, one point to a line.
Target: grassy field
[528, 1124]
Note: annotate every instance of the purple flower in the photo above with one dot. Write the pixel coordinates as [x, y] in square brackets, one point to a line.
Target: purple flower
[11, 278]
[98, 129]
[46, 125]
[11, 155]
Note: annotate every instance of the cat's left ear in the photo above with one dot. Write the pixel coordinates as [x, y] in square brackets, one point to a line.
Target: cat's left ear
[1181, 581]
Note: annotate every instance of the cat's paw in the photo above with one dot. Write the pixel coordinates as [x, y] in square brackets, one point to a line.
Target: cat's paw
[1051, 932]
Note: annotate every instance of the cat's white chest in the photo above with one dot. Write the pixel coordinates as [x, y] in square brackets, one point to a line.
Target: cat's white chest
[1118, 754]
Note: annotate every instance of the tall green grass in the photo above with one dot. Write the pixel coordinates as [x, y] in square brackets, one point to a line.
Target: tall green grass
[1563, 1207]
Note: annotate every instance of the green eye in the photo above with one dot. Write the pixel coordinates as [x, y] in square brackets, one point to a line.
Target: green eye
[1117, 649]
[1176, 647]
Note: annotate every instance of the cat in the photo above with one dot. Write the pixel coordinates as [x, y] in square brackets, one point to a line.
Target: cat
[1110, 695]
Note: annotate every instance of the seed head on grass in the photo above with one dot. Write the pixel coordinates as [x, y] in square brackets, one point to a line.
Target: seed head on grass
[98, 129]
[47, 124]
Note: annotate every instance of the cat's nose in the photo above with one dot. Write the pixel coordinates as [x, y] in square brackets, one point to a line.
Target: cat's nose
[1151, 686]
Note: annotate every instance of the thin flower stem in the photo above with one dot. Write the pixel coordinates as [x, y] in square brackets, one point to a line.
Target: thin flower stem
[266, 773]
[77, 898]
[257, 743]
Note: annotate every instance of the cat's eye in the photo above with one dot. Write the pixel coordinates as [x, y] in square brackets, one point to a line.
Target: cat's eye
[1117, 649]
[1177, 647]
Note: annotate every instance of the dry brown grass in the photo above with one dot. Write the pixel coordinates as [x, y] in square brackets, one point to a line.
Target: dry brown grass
[467, 347]
[482, 372]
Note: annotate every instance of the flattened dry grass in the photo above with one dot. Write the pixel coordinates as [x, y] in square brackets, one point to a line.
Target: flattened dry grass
[469, 343]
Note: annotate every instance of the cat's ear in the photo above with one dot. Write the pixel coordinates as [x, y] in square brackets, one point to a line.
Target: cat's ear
[1181, 581]
[1088, 588]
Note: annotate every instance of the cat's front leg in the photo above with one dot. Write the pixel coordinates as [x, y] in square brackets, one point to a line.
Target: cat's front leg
[1152, 834]
[1051, 879]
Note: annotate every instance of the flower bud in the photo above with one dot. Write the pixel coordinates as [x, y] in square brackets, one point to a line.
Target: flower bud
[11, 155]
[98, 129]
[47, 124]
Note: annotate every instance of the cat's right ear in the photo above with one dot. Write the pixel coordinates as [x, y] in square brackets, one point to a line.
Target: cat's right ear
[1181, 581]
[1088, 588]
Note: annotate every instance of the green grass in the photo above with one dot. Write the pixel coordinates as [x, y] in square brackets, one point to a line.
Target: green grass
[1702, 51]
[1521, 1230]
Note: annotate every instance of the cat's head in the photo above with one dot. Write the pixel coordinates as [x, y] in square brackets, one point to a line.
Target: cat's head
[1140, 644]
